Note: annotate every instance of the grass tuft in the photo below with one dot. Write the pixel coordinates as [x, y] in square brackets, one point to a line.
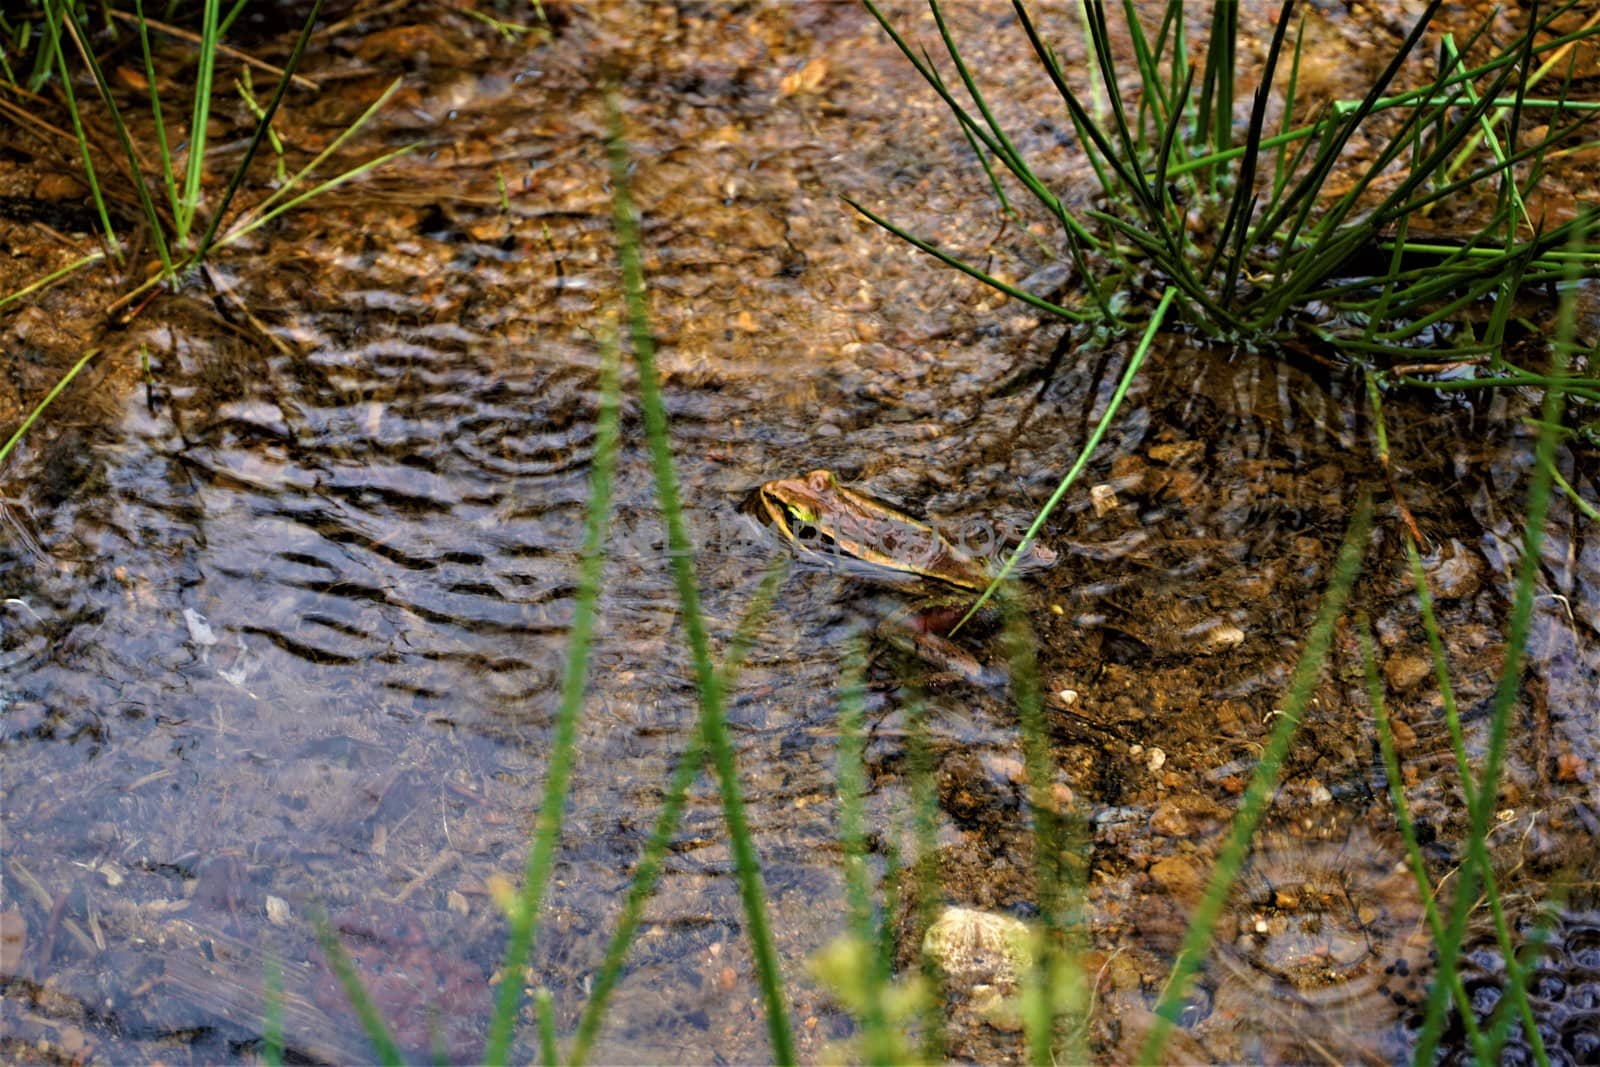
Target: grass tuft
[1252, 233]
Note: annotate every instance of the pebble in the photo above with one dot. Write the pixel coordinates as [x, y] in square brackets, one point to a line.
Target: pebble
[1168, 821]
[1406, 670]
[1218, 638]
[1405, 737]
[1178, 878]
[1455, 571]
[976, 948]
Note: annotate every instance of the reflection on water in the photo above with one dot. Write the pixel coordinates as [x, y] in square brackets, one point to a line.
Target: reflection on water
[283, 636]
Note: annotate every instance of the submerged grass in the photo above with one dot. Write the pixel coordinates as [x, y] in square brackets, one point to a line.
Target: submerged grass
[713, 724]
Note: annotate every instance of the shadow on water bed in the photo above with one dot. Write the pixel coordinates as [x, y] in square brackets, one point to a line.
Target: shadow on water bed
[284, 624]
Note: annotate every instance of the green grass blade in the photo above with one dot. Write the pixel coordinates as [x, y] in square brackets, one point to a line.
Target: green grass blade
[1408, 834]
[49, 398]
[257, 219]
[1214, 113]
[971, 271]
[544, 1010]
[1169, 139]
[1306, 189]
[1388, 286]
[880, 1045]
[1089, 446]
[1564, 46]
[1477, 851]
[167, 170]
[1059, 864]
[648, 869]
[1243, 202]
[974, 128]
[1280, 166]
[574, 684]
[263, 209]
[988, 172]
[89, 172]
[924, 872]
[1160, 99]
[746, 864]
[152, 217]
[49, 41]
[233, 13]
[272, 1020]
[1487, 786]
[263, 127]
[1572, 496]
[1126, 168]
[383, 1043]
[1258, 795]
[1106, 65]
[1097, 90]
[194, 162]
[51, 278]
[852, 786]
[1010, 154]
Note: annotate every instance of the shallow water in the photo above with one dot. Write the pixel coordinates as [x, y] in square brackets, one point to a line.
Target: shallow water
[285, 623]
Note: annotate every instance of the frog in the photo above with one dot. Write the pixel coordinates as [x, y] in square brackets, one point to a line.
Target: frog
[820, 517]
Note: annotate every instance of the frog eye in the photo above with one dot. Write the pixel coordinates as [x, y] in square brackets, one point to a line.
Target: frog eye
[801, 513]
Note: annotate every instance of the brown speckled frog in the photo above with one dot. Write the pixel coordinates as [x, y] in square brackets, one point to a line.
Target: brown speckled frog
[818, 516]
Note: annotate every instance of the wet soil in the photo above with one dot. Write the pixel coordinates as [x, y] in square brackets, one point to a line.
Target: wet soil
[287, 577]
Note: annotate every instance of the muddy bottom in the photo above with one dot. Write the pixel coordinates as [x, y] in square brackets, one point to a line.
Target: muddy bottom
[287, 579]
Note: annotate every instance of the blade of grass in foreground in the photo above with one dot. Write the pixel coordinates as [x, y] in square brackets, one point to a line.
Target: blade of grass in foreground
[746, 864]
[388, 1053]
[541, 857]
[1202, 927]
[881, 1043]
[1056, 981]
[655, 849]
[272, 1021]
[1477, 849]
[1408, 834]
[1505, 697]
[857, 969]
